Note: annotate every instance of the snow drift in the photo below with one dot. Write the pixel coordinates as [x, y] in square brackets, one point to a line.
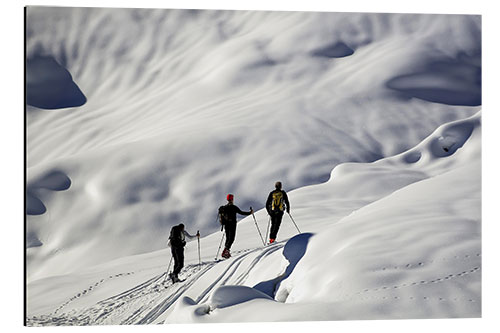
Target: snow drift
[410, 249]
[177, 108]
[184, 106]
[415, 253]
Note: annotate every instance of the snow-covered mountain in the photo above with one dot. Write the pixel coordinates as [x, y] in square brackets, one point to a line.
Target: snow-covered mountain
[139, 119]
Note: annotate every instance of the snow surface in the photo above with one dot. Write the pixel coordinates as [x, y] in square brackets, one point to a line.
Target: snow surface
[371, 121]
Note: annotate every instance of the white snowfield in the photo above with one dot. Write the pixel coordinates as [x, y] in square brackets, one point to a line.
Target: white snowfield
[371, 121]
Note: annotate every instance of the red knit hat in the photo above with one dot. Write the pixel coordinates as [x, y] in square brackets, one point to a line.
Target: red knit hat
[230, 197]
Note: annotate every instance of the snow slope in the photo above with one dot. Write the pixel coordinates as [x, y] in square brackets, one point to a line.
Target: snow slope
[411, 250]
[177, 108]
[176, 88]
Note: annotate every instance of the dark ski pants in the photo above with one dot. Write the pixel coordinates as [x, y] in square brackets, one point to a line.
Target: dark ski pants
[276, 218]
[230, 235]
[178, 255]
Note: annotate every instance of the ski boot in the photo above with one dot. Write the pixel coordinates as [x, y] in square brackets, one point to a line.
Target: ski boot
[174, 278]
[226, 254]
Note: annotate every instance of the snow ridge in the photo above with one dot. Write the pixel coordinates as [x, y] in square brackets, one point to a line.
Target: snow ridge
[371, 121]
[389, 259]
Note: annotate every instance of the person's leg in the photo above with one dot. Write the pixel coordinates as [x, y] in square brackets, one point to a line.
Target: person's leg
[278, 224]
[230, 235]
[178, 254]
[181, 261]
[272, 233]
[176, 262]
[275, 225]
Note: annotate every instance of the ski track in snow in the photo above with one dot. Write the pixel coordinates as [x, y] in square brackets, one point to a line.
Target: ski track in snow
[144, 303]
[159, 94]
[303, 92]
[150, 302]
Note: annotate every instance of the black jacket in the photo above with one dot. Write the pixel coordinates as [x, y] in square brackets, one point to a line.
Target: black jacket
[228, 214]
[282, 203]
[178, 237]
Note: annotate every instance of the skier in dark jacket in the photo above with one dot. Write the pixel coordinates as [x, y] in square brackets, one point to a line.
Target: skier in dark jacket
[177, 241]
[227, 217]
[276, 203]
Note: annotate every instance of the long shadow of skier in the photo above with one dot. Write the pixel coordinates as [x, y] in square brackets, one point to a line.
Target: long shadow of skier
[293, 251]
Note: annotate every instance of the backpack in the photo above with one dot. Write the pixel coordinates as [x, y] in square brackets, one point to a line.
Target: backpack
[223, 216]
[176, 239]
[277, 202]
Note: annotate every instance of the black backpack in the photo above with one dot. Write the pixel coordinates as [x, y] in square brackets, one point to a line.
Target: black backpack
[223, 217]
[176, 239]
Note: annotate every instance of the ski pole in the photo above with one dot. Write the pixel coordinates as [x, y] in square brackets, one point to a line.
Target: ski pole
[199, 253]
[219, 246]
[262, 239]
[293, 222]
[268, 227]
[168, 269]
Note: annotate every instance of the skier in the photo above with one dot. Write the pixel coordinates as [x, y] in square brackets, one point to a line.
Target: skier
[177, 242]
[275, 206]
[227, 217]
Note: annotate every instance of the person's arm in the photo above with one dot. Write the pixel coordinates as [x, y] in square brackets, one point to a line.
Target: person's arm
[189, 236]
[268, 202]
[239, 211]
[287, 203]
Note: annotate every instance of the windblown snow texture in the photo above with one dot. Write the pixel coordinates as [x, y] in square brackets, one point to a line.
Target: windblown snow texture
[365, 118]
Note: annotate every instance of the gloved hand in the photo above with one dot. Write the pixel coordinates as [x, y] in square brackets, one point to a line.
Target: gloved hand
[198, 234]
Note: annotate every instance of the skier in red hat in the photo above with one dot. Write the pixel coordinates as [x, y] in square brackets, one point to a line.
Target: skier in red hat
[227, 217]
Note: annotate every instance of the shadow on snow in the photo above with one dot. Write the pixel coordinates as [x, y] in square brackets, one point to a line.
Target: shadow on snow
[293, 251]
